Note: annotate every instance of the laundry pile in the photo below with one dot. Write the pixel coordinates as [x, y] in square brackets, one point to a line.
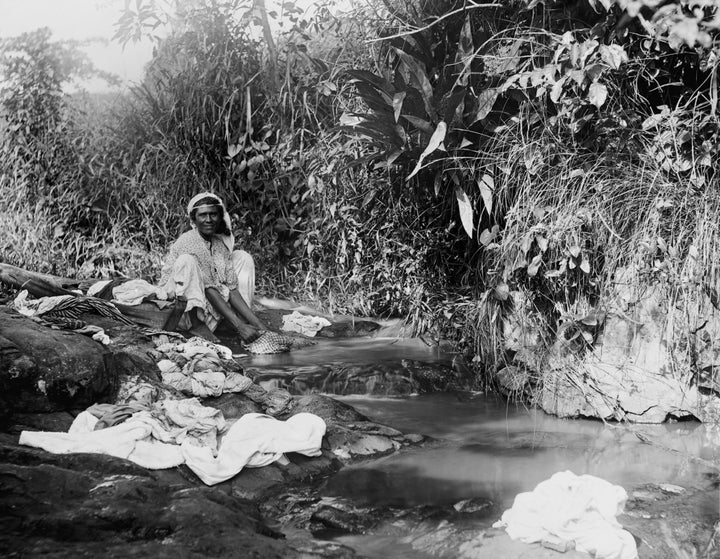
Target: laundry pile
[569, 510]
[201, 368]
[167, 433]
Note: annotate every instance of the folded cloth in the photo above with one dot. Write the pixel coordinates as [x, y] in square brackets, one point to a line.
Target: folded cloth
[253, 441]
[570, 508]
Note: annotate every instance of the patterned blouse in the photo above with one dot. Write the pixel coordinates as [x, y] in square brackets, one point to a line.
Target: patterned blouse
[213, 258]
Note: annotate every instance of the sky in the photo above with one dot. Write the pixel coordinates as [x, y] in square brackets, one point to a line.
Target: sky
[80, 19]
[85, 19]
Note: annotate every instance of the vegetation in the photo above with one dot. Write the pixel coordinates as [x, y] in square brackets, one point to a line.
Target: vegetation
[412, 158]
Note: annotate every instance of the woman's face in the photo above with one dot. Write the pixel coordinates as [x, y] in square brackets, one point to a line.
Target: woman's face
[206, 220]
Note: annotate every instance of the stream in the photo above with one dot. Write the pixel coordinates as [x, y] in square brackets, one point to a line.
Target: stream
[483, 450]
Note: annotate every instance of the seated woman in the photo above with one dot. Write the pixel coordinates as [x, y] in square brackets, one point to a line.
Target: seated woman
[217, 281]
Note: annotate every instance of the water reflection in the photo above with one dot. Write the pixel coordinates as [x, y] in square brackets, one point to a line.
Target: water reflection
[490, 449]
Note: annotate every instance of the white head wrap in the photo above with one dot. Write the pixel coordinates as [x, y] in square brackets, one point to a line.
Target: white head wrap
[229, 240]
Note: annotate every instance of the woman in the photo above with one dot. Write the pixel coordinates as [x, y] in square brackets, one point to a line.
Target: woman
[217, 281]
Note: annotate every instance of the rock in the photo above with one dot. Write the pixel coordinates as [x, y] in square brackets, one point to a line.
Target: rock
[594, 389]
[348, 328]
[332, 411]
[233, 406]
[346, 443]
[336, 519]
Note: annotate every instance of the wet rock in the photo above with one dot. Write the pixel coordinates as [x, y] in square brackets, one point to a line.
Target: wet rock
[670, 524]
[46, 370]
[328, 517]
[349, 328]
[90, 504]
[233, 406]
[347, 443]
[594, 389]
[399, 378]
[332, 411]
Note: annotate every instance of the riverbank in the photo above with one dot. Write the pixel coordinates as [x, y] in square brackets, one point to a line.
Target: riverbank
[69, 505]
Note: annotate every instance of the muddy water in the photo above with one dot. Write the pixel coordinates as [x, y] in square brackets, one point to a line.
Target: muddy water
[485, 450]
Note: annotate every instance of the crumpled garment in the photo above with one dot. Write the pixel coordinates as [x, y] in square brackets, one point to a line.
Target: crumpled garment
[207, 384]
[570, 508]
[112, 414]
[304, 324]
[256, 440]
[133, 292]
[197, 346]
[131, 439]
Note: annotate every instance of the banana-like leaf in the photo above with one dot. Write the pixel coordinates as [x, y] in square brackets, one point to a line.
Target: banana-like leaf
[466, 211]
[420, 79]
[419, 123]
[435, 141]
[487, 187]
[376, 81]
[464, 54]
[486, 100]
[398, 99]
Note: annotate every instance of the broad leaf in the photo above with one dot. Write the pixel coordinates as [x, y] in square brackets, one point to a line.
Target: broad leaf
[486, 101]
[464, 55]
[487, 187]
[597, 94]
[420, 78]
[435, 141]
[534, 266]
[419, 123]
[613, 55]
[466, 211]
[398, 99]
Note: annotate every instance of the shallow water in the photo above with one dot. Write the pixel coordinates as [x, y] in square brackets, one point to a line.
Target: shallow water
[484, 449]
[491, 451]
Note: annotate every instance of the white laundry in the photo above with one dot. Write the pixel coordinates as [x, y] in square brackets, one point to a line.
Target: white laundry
[304, 324]
[133, 292]
[97, 287]
[132, 440]
[571, 508]
[256, 440]
[36, 307]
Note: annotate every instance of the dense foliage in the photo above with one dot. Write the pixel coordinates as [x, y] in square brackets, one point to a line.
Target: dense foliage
[410, 158]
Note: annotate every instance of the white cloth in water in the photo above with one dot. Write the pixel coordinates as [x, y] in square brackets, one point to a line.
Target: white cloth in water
[304, 324]
[133, 292]
[567, 507]
[256, 440]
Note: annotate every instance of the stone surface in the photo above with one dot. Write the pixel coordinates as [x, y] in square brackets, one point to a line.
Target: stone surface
[45, 370]
[597, 389]
[641, 361]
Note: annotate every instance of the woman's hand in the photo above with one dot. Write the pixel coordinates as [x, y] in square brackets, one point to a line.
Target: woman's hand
[247, 333]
